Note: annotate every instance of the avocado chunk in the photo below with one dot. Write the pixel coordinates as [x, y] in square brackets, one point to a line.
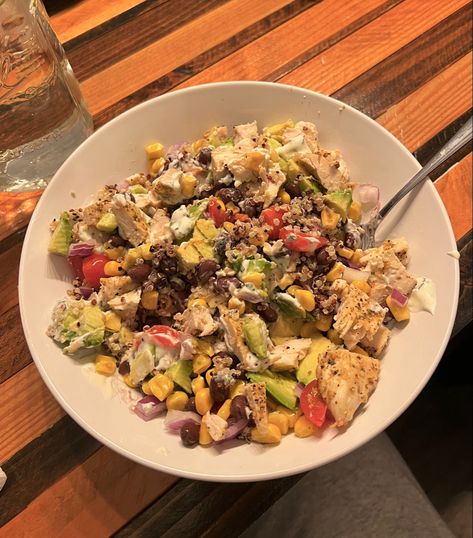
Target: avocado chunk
[107, 223]
[339, 201]
[192, 252]
[205, 230]
[61, 238]
[137, 189]
[280, 387]
[289, 306]
[255, 334]
[306, 372]
[180, 373]
[294, 170]
[285, 327]
[307, 184]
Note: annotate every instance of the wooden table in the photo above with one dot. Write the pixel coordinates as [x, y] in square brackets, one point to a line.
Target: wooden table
[406, 63]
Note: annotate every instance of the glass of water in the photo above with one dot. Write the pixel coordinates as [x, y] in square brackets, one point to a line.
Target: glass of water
[43, 116]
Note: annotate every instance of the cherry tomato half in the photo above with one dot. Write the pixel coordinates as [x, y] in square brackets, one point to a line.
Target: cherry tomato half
[76, 263]
[165, 336]
[272, 216]
[312, 405]
[217, 213]
[301, 241]
[93, 269]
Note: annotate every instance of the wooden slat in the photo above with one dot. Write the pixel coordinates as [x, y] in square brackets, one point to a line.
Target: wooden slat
[101, 495]
[9, 262]
[28, 409]
[465, 299]
[85, 15]
[274, 51]
[14, 355]
[332, 69]
[433, 106]
[455, 189]
[16, 211]
[128, 75]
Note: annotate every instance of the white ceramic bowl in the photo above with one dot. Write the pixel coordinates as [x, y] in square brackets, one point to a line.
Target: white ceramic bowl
[116, 151]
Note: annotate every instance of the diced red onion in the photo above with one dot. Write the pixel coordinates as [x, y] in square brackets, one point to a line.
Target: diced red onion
[298, 389]
[86, 292]
[81, 249]
[149, 407]
[399, 298]
[234, 429]
[123, 185]
[367, 196]
[176, 419]
[350, 274]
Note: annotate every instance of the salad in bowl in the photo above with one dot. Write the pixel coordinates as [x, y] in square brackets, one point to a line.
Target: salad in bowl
[228, 289]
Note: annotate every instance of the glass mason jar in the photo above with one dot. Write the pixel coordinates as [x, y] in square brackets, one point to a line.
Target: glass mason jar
[43, 116]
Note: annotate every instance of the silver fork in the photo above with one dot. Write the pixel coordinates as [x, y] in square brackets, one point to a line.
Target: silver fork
[457, 142]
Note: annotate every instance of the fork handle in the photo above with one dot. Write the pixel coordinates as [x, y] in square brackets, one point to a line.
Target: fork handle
[457, 142]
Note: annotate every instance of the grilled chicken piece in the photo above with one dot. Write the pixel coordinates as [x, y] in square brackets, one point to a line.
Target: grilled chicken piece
[246, 130]
[115, 285]
[167, 187]
[215, 425]
[271, 181]
[256, 395]
[306, 128]
[160, 229]
[92, 213]
[376, 345]
[198, 321]
[346, 380]
[357, 317]
[126, 305]
[235, 343]
[328, 167]
[287, 356]
[132, 222]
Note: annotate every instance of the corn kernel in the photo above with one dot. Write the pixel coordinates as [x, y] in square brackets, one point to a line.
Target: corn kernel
[126, 336]
[292, 290]
[324, 322]
[154, 151]
[274, 155]
[204, 435]
[224, 411]
[400, 313]
[329, 218]
[357, 255]
[127, 380]
[197, 383]
[253, 160]
[197, 302]
[254, 278]
[309, 329]
[149, 300]
[177, 400]
[360, 351]
[209, 374]
[345, 252]
[145, 251]
[198, 145]
[161, 386]
[354, 212]
[258, 238]
[156, 166]
[304, 427]
[272, 436]
[113, 268]
[200, 363]
[237, 388]
[145, 388]
[280, 420]
[284, 197]
[292, 415]
[114, 253]
[203, 401]
[131, 258]
[306, 299]
[228, 226]
[105, 365]
[285, 281]
[188, 183]
[334, 337]
[278, 128]
[236, 304]
[201, 346]
[112, 322]
[335, 272]
[230, 206]
[362, 285]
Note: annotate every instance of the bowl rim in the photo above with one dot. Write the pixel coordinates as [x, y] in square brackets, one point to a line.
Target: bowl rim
[366, 437]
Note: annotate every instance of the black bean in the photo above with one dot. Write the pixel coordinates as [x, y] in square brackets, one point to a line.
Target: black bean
[190, 405]
[222, 284]
[230, 194]
[190, 434]
[117, 241]
[323, 257]
[205, 156]
[205, 270]
[139, 273]
[266, 311]
[219, 389]
[292, 188]
[251, 207]
[168, 265]
[238, 407]
[124, 368]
